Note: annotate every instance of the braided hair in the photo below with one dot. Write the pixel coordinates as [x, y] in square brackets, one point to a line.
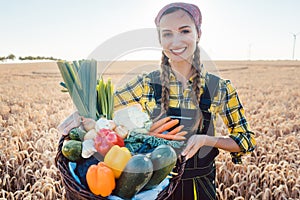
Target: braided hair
[196, 73]
[165, 82]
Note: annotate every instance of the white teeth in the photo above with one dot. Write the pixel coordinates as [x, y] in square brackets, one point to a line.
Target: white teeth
[178, 50]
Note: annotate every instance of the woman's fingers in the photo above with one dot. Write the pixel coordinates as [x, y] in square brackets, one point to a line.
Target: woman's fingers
[193, 145]
[188, 147]
[192, 152]
[72, 121]
[75, 123]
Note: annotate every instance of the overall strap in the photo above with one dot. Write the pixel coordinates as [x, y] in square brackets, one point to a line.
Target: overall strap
[156, 85]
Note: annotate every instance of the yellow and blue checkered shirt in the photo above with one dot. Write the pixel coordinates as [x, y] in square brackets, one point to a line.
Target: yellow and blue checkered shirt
[226, 103]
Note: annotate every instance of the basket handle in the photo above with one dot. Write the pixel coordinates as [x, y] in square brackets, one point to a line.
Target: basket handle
[182, 159]
[59, 148]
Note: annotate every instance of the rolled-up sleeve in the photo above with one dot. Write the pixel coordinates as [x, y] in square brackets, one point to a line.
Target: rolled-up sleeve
[233, 115]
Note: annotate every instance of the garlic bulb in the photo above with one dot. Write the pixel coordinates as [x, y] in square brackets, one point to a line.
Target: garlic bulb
[88, 124]
[91, 134]
[88, 148]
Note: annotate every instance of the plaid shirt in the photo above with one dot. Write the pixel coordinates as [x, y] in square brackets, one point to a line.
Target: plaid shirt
[226, 103]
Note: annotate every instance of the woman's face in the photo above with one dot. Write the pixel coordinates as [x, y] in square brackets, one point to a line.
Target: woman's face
[178, 36]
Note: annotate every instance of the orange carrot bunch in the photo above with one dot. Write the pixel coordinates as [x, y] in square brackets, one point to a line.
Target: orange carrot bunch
[160, 129]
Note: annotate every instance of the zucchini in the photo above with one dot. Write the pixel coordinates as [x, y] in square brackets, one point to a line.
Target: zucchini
[134, 177]
[163, 159]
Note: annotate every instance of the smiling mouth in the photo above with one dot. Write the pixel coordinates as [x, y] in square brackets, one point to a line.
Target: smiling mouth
[178, 51]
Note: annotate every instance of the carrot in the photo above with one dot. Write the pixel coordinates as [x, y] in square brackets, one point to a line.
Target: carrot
[182, 133]
[169, 137]
[167, 126]
[176, 130]
[153, 133]
[159, 123]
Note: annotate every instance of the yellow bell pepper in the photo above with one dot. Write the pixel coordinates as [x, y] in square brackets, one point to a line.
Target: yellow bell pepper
[116, 159]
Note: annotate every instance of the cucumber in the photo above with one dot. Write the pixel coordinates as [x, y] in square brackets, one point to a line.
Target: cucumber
[72, 150]
[77, 134]
[163, 159]
[134, 177]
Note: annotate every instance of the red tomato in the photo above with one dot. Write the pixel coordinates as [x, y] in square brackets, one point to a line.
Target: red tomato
[105, 139]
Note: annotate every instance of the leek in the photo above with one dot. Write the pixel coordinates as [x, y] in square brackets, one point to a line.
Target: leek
[80, 79]
[105, 98]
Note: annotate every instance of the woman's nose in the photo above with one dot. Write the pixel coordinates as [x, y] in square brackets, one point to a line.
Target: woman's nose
[177, 39]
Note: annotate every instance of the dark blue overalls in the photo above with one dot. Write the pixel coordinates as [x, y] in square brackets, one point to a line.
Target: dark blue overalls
[198, 180]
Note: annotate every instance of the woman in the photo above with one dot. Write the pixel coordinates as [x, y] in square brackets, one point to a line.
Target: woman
[181, 91]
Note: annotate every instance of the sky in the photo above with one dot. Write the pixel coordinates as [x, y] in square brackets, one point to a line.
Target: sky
[73, 29]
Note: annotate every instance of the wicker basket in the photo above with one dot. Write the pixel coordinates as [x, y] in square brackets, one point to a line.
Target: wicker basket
[76, 191]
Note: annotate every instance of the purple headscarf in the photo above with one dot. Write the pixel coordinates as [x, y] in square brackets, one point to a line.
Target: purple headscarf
[192, 9]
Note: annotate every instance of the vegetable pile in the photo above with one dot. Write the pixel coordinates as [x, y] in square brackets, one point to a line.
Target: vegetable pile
[120, 153]
[116, 170]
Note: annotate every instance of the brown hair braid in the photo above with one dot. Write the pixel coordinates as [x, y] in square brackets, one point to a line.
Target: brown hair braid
[196, 80]
[164, 77]
[196, 87]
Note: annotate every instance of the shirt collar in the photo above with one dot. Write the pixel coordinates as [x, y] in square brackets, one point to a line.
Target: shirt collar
[172, 76]
[203, 73]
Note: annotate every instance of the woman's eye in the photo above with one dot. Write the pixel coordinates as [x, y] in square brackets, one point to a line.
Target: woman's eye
[185, 31]
[167, 34]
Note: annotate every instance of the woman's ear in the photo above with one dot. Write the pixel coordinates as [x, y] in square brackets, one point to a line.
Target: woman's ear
[159, 39]
[199, 35]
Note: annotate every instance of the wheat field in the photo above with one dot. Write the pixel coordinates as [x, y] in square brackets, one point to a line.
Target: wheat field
[32, 105]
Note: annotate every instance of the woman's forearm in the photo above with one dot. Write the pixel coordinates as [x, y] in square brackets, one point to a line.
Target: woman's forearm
[225, 143]
[195, 142]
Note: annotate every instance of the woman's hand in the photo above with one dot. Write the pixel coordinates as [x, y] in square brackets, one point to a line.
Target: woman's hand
[193, 145]
[72, 121]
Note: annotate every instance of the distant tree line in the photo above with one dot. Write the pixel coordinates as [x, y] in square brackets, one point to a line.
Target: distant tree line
[37, 58]
[13, 57]
[9, 57]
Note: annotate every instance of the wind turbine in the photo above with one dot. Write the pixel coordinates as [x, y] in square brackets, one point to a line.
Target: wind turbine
[295, 37]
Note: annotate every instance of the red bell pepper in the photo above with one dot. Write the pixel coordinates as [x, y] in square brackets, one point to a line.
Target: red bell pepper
[105, 139]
